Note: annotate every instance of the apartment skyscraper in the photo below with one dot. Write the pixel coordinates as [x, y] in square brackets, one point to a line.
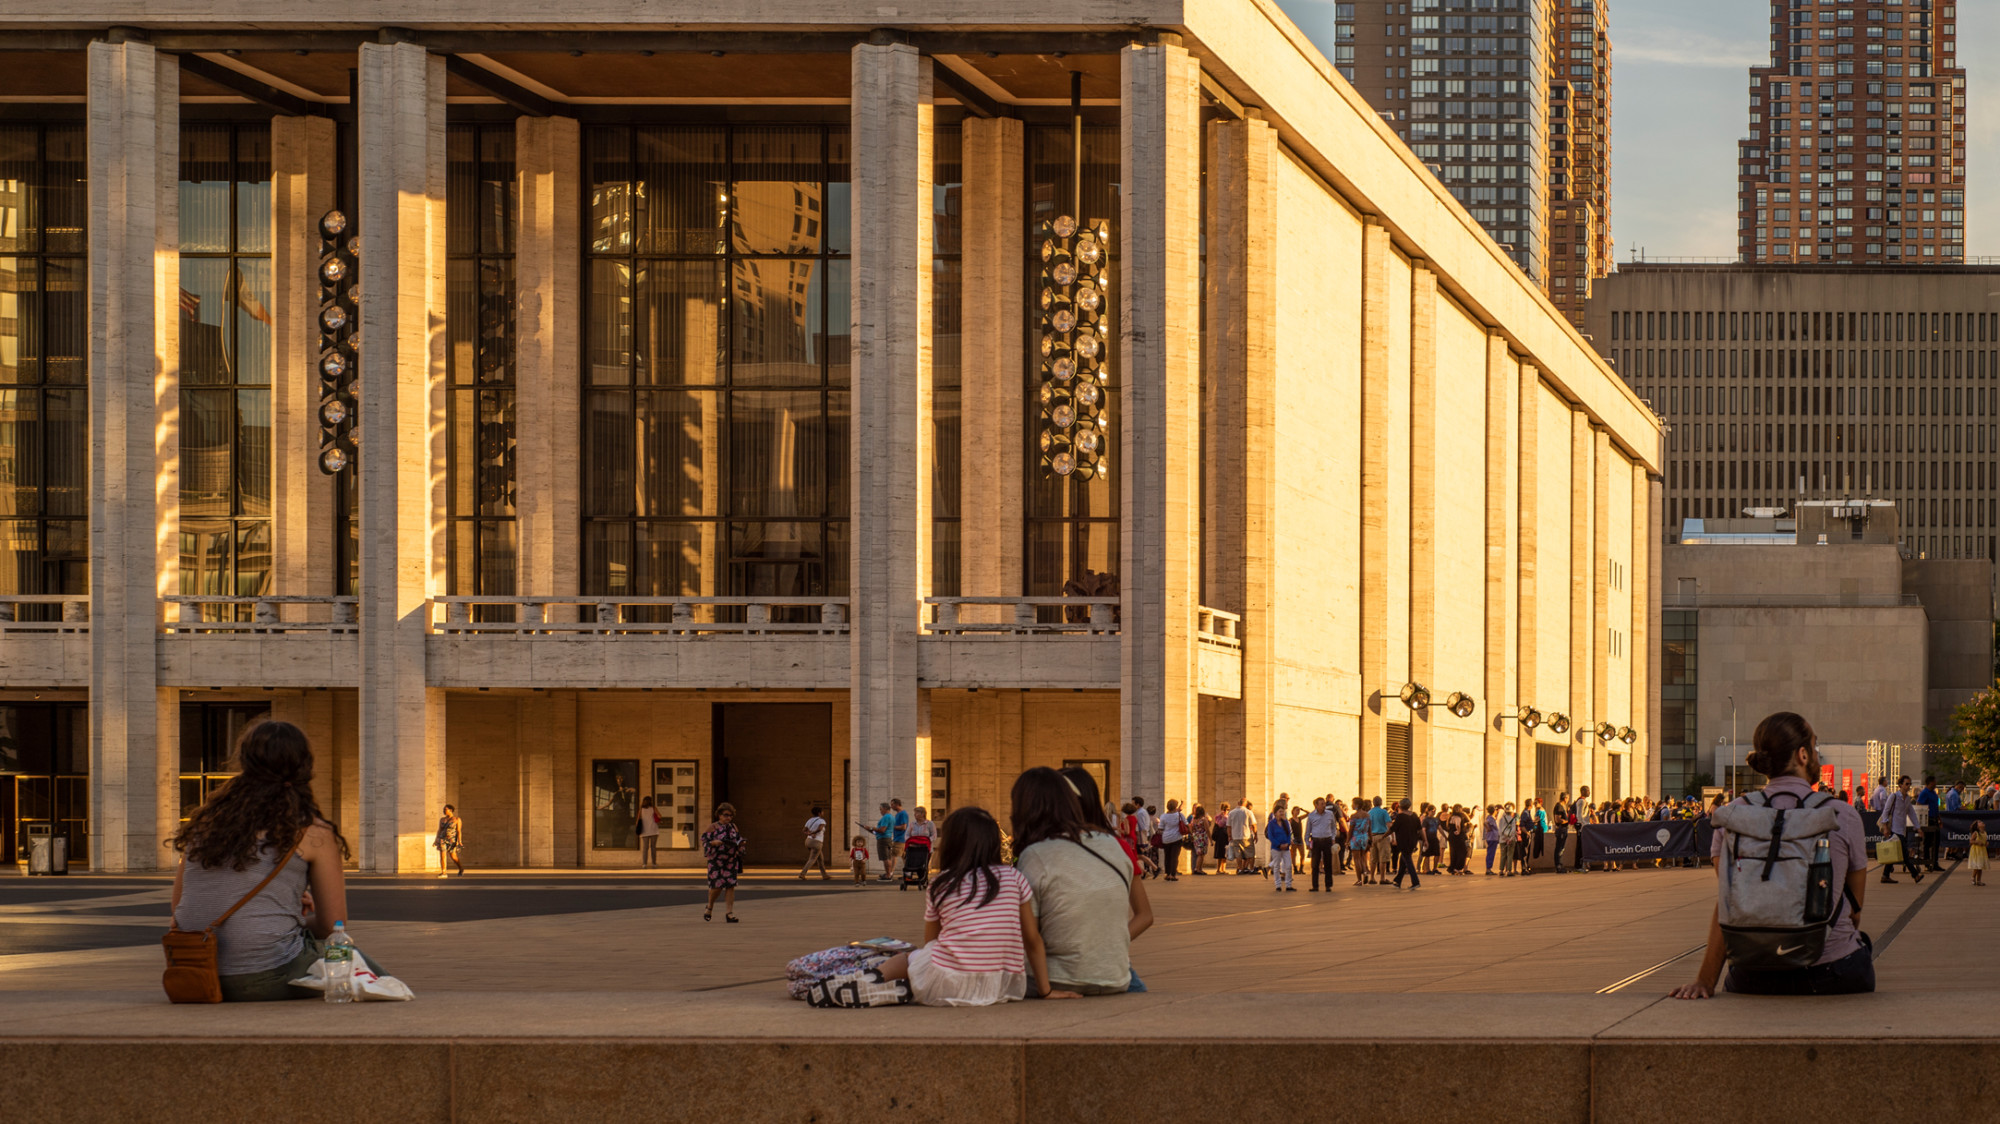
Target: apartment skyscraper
[1579, 155]
[1856, 152]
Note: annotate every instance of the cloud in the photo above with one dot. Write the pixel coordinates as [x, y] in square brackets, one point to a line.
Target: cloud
[1692, 49]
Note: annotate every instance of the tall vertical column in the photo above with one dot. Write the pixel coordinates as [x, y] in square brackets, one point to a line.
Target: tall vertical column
[134, 152]
[1646, 560]
[1159, 368]
[1582, 604]
[401, 453]
[1602, 485]
[1503, 744]
[1239, 392]
[548, 313]
[302, 190]
[1526, 478]
[889, 455]
[1376, 255]
[993, 371]
[1423, 515]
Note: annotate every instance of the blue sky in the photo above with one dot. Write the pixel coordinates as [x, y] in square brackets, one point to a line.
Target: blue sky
[1680, 88]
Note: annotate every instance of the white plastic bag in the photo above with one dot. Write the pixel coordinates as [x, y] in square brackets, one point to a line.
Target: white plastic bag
[367, 985]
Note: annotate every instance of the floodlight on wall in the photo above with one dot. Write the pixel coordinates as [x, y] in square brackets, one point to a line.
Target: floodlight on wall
[1605, 732]
[1075, 341]
[1416, 696]
[1461, 704]
[1529, 717]
[1627, 735]
[339, 341]
[1559, 723]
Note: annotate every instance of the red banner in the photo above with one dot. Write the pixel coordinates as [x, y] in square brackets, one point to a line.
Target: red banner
[1847, 780]
[1826, 775]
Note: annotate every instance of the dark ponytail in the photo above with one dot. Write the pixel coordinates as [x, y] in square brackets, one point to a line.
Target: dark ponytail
[1778, 737]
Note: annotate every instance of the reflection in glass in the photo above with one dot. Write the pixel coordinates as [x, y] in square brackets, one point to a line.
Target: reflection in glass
[614, 804]
[778, 193]
[777, 453]
[680, 323]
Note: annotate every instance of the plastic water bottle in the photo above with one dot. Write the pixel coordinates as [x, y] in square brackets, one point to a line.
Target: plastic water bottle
[340, 965]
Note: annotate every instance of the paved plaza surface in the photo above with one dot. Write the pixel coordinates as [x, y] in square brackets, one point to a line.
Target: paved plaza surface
[584, 931]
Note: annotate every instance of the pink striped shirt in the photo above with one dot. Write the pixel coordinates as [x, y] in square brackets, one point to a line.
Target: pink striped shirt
[981, 938]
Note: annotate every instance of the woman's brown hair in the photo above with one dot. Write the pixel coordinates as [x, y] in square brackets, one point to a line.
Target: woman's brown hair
[270, 799]
[1045, 807]
[1777, 738]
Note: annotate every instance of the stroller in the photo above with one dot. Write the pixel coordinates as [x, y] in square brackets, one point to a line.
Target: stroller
[917, 864]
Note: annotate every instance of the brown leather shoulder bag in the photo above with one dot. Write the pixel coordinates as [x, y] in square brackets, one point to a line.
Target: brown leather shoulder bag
[191, 976]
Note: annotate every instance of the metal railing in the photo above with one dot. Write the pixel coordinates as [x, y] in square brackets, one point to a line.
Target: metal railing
[668, 616]
[1021, 616]
[44, 613]
[1218, 629]
[273, 614]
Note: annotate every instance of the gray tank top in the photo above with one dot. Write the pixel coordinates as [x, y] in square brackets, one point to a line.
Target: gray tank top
[264, 934]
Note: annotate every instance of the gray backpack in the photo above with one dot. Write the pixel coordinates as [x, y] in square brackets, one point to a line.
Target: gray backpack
[1775, 899]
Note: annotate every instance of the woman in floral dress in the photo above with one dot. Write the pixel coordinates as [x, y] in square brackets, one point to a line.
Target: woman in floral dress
[723, 846]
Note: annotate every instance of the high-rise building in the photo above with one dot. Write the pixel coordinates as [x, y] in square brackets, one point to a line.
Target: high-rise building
[1579, 156]
[1466, 83]
[1856, 152]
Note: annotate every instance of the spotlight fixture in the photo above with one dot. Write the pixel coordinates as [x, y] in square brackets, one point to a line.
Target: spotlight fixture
[1530, 717]
[1075, 342]
[1416, 696]
[1627, 735]
[339, 340]
[1605, 731]
[1461, 704]
[1559, 723]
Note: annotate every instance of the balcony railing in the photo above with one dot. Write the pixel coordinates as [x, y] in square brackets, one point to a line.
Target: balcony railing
[44, 613]
[261, 615]
[1218, 629]
[1022, 616]
[666, 616]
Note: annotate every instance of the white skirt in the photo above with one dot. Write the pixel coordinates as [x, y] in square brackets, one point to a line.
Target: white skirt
[936, 986]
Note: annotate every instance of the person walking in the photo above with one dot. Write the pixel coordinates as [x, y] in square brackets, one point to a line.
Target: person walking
[1927, 804]
[1319, 842]
[815, 832]
[722, 845]
[450, 842]
[1406, 834]
[1899, 819]
[1173, 827]
[1278, 833]
[649, 833]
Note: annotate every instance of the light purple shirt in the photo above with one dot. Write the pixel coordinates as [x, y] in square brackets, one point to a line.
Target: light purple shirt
[1848, 847]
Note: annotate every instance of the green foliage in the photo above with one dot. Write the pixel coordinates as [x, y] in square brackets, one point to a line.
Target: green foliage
[1698, 782]
[1978, 728]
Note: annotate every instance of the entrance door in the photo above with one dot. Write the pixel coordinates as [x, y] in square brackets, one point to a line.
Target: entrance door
[774, 761]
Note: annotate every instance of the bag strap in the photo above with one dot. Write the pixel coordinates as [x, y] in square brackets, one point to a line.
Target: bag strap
[1777, 840]
[245, 899]
[1092, 852]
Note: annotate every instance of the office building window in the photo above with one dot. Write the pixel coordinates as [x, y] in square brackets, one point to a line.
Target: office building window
[947, 319]
[481, 202]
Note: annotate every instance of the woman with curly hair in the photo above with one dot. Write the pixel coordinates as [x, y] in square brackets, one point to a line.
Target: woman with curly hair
[264, 816]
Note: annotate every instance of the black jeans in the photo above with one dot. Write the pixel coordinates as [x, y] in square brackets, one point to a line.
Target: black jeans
[1173, 851]
[1932, 838]
[1322, 860]
[1850, 975]
[1562, 840]
[1911, 842]
[1405, 866]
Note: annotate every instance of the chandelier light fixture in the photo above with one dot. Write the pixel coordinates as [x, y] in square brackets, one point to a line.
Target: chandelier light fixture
[339, 341]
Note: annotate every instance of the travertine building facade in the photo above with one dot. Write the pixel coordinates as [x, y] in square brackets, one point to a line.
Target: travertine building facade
[717, 383]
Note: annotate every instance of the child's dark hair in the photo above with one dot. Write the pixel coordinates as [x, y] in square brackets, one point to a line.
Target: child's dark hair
[968, 846]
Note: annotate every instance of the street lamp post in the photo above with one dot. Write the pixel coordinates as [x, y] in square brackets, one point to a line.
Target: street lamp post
[1734, 745]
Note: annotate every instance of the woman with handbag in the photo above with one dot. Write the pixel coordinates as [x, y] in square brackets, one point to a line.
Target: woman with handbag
[244, 923]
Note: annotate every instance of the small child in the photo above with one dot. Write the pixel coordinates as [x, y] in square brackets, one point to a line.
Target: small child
[1977, 857]
[980, 934]
[858, 853]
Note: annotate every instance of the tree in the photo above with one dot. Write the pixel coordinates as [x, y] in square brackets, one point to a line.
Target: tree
[1978, 734]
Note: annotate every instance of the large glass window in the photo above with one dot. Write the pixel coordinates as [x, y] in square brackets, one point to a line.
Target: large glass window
[479, 364]
[209, 732]
[44, 776]
[225, 329]
[1072, 531]
[715, 414]
[947, 367]
[44, 410]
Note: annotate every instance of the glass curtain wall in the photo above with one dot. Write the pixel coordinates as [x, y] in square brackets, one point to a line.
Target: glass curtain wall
[1072, 524]
[225, 330]
[44, 776]
[715, 410]
[947, 367]
[44, 408]
[481, 204]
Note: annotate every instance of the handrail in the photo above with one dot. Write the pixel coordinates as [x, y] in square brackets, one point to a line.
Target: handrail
[604, 614]
[1218, 628]
[72, 613]
[1022, 616]
[262, 613]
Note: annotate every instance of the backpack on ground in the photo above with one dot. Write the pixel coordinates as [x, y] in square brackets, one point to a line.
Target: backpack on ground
[1776, 899]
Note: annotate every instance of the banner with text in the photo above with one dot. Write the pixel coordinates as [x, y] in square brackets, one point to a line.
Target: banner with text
[1956, 834]
[1636, 842]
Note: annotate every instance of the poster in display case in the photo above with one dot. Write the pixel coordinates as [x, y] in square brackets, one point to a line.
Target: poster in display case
[676, 794]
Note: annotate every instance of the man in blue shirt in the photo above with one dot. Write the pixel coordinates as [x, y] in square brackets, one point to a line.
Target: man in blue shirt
[1278, 832]
[1378, 840]
[899, 830]
[1928, 799]
[885, 847]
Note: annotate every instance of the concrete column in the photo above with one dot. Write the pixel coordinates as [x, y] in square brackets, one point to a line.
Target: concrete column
[1501, 733]
[401, 459]
[1239, 394]
[1376, 691]
[1646, 558]
[1526, 476]
[1602, 485]
[1160, 373]
[991, 441]
[302, 190]
[1582, 605]
[548, 316]
[889, 451]
[134, 152]
[1423, 517]
[539, 763]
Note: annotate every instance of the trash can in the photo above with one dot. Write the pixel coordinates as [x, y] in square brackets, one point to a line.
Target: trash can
[58, 854]
[41, 848]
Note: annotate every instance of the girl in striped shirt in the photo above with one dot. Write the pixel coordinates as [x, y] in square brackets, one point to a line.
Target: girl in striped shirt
[980, 935]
